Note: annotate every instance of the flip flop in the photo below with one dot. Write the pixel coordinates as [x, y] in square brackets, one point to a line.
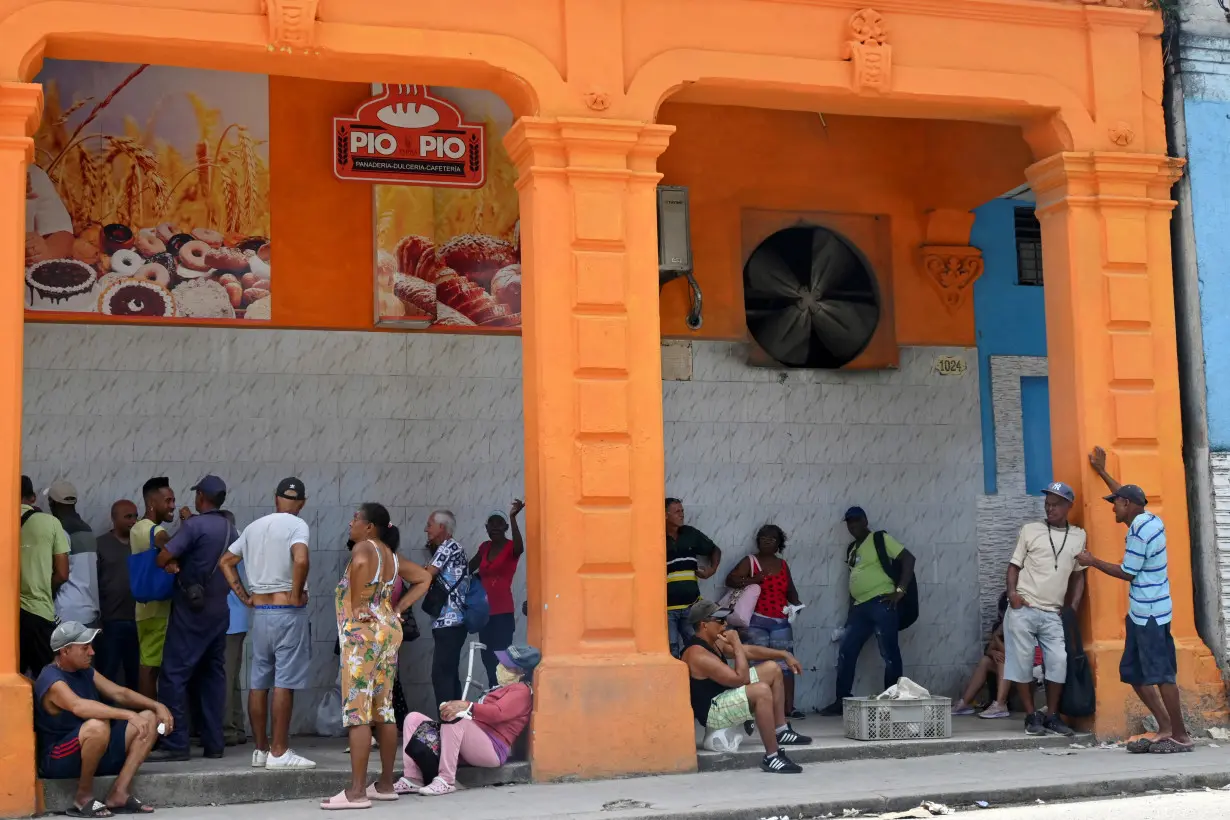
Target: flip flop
[1139, 746]
[407, 786]
[97, 808]
[372, 794]
[1169, 746]
[339, 802]
[132, 806]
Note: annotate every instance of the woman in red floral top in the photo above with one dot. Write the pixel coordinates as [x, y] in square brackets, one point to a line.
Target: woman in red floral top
[769, 625]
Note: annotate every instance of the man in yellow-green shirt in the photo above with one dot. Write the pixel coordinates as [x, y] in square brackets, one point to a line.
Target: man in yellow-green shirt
[44, 565]
[152, 617]
[873, 605]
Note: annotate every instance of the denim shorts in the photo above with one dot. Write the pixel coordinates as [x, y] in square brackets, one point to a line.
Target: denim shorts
[771, 633]
[281, 647]
[1148, 654]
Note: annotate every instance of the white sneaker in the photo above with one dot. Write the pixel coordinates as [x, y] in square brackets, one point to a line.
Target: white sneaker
[290, 760]
[259, 759]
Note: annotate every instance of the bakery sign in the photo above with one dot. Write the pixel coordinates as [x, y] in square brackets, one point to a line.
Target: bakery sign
[406, 136]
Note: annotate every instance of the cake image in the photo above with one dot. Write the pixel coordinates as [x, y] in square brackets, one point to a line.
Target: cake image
[203, 299]
[136, 297]
[60, 280]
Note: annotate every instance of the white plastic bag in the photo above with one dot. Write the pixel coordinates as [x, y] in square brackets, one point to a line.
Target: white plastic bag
[329, 714]
[904, 689]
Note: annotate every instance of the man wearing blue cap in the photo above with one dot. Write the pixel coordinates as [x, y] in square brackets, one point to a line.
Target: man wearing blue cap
[196, 629]
[1043, 578]
[1149, 665]
[874, 596]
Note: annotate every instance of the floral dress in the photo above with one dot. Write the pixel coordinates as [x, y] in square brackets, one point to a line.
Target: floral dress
[368, 648]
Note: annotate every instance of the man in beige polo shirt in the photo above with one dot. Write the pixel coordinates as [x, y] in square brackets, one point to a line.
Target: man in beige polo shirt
[1043, 578]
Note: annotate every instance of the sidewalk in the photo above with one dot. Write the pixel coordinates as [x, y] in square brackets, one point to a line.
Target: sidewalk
[1000, 778]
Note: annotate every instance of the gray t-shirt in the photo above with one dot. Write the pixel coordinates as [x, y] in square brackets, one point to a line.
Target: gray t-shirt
[265, 549]
[114, 590]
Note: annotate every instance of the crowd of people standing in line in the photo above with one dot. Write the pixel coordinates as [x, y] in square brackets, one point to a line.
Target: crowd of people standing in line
[89, 620]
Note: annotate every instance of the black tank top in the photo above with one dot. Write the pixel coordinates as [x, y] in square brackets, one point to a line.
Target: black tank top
[704, 691]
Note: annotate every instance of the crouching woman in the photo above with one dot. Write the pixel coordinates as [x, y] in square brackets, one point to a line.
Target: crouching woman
[480, 733]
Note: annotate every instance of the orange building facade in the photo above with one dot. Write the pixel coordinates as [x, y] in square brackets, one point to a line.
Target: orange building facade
[915, 112]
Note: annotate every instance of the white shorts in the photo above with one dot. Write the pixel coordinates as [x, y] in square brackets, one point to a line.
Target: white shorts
[1026, 628]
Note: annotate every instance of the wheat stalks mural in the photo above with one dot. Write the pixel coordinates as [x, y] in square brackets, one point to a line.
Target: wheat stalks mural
[94, 113]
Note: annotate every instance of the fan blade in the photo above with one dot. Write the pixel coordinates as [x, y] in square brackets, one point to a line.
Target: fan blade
[785, 335]
[830, 260]
[768, 276]
[843, 328]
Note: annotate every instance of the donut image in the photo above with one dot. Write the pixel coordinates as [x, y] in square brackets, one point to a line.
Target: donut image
[166, 259]
[116, 237]
[261, 309]
[178, 241]
[209, 236]
[147, 244]
[58, 280]
[153, 272]
[126, 262]
[192, 256]
[136, 297]
[203, 299]
[165, 231]
[228, 260]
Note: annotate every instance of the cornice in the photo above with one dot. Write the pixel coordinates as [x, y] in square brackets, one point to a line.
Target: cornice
[1055, 13]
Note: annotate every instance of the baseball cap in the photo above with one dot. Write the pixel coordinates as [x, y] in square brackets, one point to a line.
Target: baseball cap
[210, 485]
[71, 633]
[854, 514]
[703, 610]
[62, 492]
[1060, 490]
[292, 489]
[1129, 492]
[519, 656]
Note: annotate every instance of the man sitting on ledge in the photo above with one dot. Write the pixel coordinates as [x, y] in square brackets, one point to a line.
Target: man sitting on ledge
[80, 736]
[723, 697]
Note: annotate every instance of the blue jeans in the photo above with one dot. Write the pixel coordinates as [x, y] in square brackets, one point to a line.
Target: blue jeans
[678, 630]
[876, 617]
[772, 633]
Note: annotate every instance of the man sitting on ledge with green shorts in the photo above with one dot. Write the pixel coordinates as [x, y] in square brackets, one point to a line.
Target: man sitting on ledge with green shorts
[724, 696]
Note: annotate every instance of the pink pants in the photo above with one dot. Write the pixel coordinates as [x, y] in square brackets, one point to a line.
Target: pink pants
[463, 739]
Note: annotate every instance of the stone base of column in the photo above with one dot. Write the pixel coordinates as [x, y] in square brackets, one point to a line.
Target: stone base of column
[18, 788]
[1120, 711]
[597, 717]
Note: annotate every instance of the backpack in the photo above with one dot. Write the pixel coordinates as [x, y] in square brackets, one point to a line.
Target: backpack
[907, 607]
[476, 611]
[1079, 698]
[148, 581]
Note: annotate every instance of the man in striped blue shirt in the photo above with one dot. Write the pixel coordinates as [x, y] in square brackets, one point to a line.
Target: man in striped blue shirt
[1148, 664]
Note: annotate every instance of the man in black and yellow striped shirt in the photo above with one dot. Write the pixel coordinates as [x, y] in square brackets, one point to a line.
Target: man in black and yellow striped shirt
[684, 545]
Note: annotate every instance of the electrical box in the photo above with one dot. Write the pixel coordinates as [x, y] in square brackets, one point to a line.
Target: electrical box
[674, 230]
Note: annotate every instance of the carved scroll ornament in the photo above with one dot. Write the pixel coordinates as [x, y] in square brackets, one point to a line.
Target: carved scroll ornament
[868, 49]
[952, 271]
[292, 23]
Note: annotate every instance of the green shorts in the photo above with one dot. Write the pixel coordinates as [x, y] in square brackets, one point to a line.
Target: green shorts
[730, 708]
[151, 636]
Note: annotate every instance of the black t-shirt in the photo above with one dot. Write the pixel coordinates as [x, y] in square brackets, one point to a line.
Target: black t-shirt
[115, 600]
[704, 691]
[682, 590]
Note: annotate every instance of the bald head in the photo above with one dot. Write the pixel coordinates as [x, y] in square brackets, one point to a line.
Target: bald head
[123, 516]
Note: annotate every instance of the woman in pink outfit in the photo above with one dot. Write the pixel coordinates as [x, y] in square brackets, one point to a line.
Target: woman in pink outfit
[481, 733]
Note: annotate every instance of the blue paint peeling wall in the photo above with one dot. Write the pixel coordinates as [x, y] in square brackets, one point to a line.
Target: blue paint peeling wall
[1010, 320]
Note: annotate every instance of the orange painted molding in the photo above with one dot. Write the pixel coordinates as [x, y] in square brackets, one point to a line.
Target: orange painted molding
[869, 52]
[952, 271]
[292, 23]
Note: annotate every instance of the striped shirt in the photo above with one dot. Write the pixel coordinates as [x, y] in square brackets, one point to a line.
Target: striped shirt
[682, 589]
[1144, 558]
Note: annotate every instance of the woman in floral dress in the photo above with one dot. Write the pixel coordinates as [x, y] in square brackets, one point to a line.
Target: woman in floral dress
[369, 633]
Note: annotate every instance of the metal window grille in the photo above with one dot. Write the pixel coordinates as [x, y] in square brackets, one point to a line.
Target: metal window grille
[1028, 247]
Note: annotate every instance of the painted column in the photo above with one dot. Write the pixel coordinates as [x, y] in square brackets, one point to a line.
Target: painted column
[21, 106]
[1110, 332]
[594, 451]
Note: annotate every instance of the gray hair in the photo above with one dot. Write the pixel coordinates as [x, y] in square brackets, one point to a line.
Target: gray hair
[445, 519]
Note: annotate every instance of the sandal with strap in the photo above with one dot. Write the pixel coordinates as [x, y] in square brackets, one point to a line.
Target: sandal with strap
[373, 794]
[339, 802]
[407, 786]
[132, 806]
[1140, 746]
[97, 808]
[1168, 746]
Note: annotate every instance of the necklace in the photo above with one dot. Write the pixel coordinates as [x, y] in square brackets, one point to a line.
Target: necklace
[1057, 552]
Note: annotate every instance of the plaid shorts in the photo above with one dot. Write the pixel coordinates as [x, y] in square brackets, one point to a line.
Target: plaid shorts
[730, 708]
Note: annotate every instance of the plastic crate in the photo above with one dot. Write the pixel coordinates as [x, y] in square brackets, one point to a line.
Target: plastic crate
[922, 719]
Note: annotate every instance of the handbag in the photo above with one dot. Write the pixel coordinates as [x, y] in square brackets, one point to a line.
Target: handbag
[437, 595]
[1079, 698]
[148, 581]
[476, 611]
[194, 594]
[742, 602]
[423, 748]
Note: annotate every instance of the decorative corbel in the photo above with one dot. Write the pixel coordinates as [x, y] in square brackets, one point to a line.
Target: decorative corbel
[949, 263]
[867, 47]
[292, 24]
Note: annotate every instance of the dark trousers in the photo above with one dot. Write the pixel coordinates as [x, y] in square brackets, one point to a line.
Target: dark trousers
[497, 636]
[235, 726]
[118, 654]
[34, 647]
[192, 653]
[445, 659]
[873, 617]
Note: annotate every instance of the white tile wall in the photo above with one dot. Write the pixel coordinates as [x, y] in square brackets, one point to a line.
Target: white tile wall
[1220, 464]
[418, 421]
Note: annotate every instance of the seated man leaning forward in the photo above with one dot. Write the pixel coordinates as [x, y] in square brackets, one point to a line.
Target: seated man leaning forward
[724, 696]
[80, 736]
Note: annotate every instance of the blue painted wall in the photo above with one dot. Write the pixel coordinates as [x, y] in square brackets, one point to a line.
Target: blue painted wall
[1208, 153]
[1036, 430]
[1009, 320]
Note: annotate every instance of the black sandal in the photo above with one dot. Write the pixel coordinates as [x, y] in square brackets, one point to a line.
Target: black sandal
[1140, 746]
[132, 806]
[97, 808]
[1168, 746]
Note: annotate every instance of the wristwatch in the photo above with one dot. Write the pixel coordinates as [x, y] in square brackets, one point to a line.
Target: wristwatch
[900, 590]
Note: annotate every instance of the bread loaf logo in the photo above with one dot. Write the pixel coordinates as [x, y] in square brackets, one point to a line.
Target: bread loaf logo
[406, 136]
